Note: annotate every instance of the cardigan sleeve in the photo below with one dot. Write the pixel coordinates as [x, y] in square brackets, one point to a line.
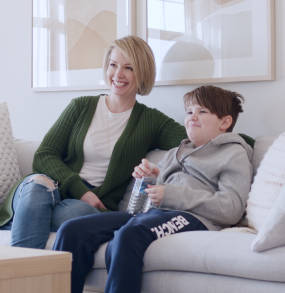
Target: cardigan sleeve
[57, 144]
[170, 133]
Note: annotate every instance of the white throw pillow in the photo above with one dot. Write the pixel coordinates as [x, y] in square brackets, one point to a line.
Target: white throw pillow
[267, 183]
[9, 167]
[271, 234]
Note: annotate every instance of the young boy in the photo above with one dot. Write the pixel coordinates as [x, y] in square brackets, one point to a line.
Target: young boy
[201, 185]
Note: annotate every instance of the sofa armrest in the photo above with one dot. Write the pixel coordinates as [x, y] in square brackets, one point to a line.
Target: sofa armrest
[25, 152]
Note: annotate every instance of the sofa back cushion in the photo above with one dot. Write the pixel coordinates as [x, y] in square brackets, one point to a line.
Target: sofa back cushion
[261, 145]
[25, 151]
[9, 167]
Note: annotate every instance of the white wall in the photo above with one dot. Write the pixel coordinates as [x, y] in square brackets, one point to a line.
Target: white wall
[32, 113]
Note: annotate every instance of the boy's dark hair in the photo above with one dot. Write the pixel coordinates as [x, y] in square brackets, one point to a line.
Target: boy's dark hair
[219, 101]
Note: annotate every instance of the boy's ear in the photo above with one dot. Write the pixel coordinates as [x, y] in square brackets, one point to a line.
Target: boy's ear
[226, 123]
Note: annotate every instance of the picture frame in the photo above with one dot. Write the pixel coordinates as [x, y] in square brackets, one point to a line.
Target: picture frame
[194, 41]
[70, 38]
[211, 41]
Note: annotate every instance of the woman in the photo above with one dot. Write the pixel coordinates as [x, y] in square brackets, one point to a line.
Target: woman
[85, 161]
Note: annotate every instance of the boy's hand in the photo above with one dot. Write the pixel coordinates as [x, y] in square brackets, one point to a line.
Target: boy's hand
[145, 169]
[155, 193]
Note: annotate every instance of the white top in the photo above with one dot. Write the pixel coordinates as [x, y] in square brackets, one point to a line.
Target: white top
[105, 129]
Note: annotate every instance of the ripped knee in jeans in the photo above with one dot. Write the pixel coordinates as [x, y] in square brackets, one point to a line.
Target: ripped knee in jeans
[45, 181]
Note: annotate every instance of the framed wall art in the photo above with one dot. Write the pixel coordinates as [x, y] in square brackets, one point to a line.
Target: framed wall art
[70, 39]
[202, 41]
[194, 41]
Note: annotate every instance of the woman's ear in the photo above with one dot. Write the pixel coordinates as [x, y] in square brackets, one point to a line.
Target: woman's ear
[226, 123]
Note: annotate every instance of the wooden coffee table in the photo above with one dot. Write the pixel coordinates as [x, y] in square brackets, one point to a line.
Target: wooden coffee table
[25, 270]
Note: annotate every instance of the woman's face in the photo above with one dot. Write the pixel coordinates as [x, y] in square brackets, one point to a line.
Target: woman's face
[120, 75]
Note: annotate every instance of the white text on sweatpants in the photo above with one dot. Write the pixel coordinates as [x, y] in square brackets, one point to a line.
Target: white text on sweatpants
[170, 227]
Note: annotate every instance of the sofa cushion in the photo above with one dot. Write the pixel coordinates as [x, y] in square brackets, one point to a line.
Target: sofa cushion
[5, 238]
[210, 252]
[267, 183]
[25, 151]
[271, 233]
[9, 167]
[261, 145]
[214, 252]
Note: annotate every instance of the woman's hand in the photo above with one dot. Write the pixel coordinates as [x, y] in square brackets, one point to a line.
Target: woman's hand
[145, 169]
[155, 193]
[92, 199]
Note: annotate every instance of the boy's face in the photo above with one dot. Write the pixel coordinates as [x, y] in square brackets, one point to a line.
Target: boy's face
[202, 125]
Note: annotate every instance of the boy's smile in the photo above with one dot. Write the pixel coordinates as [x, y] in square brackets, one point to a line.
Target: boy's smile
[202, 125]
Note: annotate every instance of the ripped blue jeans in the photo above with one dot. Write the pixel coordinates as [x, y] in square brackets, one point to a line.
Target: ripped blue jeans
[39, 210]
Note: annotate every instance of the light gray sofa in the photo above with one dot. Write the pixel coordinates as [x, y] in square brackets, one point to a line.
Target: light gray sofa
[198, 262]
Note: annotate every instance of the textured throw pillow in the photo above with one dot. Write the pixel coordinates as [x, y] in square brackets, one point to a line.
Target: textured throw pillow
[267, 184]
[271, 234]
[9, 167]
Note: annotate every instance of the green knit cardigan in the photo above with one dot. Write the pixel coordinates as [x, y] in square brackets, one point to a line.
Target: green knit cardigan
[60, 155]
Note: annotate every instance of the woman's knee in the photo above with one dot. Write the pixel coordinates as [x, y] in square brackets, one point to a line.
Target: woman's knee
[35, 193]
[36, 185]
[43, 180]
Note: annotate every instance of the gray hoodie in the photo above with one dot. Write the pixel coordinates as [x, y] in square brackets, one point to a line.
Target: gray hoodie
[211, 182]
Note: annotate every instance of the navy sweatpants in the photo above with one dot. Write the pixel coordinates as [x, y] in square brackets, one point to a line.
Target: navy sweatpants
[128, 236]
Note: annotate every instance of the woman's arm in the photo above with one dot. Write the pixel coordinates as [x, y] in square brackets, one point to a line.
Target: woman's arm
[169, 132]
[59, 144]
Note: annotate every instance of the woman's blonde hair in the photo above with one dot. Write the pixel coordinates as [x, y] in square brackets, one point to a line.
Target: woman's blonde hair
[142, 60]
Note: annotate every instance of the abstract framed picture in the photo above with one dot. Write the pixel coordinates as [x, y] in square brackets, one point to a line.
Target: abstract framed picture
[70, 39]
[205, 41]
